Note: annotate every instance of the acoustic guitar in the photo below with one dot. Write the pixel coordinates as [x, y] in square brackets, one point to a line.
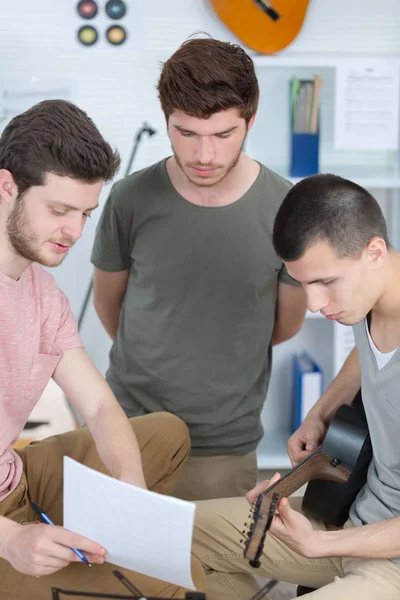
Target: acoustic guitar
[336, 470]
[266, 26]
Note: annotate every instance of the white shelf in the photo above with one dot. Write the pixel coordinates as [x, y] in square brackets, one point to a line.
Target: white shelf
[271, 451]
[366, 176]
[310, 60]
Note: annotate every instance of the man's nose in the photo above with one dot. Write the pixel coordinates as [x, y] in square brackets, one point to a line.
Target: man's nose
[74, 228]
[205, 152]
[316, 300]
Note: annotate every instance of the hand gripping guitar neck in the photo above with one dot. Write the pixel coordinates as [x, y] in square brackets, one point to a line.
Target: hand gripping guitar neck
[342, 458]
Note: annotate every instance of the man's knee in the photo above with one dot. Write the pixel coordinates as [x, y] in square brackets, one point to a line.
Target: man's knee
[173, 430]
[166, 430]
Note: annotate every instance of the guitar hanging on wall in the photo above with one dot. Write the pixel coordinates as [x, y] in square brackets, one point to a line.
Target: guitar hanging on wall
[264, 26]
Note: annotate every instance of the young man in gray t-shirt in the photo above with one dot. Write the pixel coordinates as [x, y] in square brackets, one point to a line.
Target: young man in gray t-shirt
[332, 237]
[187, 282]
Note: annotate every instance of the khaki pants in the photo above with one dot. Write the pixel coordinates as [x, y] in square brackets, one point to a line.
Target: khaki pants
[206, 477]
[229, 576]
[164, 443]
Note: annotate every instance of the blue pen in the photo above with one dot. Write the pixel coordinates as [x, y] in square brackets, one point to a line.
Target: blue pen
[47, 520]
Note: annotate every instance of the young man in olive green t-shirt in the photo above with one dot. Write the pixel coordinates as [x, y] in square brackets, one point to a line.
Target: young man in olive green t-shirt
[187, 282]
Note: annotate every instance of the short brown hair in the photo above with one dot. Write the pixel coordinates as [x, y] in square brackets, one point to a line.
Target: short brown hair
[205, 76]
[55, 136]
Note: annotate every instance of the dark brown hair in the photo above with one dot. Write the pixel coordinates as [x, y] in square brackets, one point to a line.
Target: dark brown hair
[205, 76]
[55, 136]
[327, 208]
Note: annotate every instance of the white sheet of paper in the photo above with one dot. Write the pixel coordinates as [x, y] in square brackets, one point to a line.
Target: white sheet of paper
[367, 104]
[141, 530]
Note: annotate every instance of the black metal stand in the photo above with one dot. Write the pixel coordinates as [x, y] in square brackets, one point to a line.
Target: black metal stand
[137, 595]
[145, 128]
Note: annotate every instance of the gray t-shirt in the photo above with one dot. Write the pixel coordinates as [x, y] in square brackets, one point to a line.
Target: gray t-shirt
[379, 499]
[197, 319]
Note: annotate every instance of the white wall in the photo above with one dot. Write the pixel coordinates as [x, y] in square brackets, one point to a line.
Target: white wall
[116, 85]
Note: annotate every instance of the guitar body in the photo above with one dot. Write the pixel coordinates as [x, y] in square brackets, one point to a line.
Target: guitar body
[348, 441]
[264, 26]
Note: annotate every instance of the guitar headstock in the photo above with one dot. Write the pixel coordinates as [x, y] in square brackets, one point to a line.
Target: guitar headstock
[261, 520]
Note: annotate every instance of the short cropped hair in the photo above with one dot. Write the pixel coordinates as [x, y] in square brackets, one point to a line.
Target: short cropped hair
[331, 209]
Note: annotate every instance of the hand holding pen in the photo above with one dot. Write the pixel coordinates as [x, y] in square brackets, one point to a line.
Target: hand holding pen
[46, 519]
[38, 550]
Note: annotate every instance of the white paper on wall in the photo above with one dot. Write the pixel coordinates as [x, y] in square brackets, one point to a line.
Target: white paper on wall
[367, 104]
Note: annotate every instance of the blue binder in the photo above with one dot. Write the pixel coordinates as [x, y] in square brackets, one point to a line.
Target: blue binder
[304, 140]
[304, 154]
[307, 387]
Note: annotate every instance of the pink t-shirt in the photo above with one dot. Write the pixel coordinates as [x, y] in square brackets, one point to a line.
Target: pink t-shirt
[36, 327]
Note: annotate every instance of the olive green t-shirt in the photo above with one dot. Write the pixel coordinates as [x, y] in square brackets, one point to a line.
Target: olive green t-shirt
[196, 323]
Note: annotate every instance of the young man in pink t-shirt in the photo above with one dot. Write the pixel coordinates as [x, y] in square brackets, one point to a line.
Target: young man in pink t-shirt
[53, 163]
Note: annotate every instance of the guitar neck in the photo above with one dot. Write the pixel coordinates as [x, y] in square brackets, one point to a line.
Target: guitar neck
[345, 442]
[317, 465]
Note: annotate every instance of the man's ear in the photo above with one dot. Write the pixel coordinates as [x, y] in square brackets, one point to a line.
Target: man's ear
[251, 122]
[8, 187]
[377, 251]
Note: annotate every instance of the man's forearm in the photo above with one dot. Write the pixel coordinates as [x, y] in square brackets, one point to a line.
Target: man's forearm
[109, 316]
[117, 445]
[342, 390]
[379, 540]
[282, 333]
[290, 310]
[286, 326]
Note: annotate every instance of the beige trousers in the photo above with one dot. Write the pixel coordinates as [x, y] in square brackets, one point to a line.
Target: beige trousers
[218, 531]
[224, 476]
[164, 444]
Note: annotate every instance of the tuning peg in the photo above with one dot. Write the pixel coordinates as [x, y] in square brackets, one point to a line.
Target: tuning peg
[255, 563]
